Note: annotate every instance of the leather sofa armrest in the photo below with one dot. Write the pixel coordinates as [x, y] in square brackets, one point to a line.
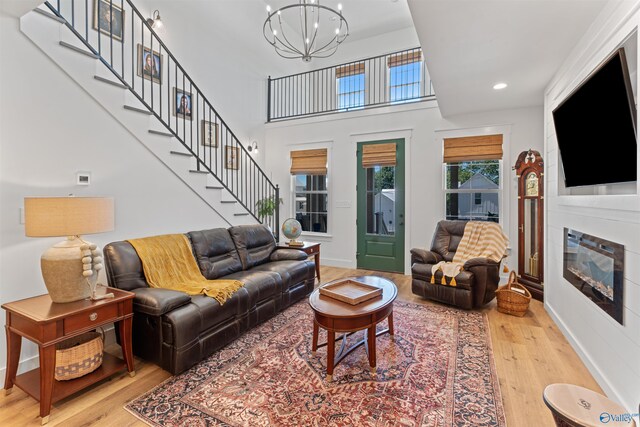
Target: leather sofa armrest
[480, 262]
[156, 302]
[288, 254]
[424, 256]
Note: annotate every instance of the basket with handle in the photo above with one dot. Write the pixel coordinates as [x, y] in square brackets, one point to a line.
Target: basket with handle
[78, 356]
[513, 298]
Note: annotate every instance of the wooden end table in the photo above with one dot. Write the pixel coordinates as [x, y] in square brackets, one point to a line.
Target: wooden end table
[46, 323]
[311, 249]
[337, 316]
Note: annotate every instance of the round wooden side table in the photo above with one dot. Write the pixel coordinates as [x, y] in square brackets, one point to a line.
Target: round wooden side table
[575, 406]
[337, 316]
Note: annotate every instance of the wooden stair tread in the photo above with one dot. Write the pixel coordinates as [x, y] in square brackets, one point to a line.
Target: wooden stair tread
[79, 50]
[161, 133]
[49, 15]
[111, 82]
[136, 109]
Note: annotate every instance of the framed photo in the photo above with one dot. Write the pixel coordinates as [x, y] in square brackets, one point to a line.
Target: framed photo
[108, 18]
[209, 132]
[231, 156]
[149, 64]
[182, 102]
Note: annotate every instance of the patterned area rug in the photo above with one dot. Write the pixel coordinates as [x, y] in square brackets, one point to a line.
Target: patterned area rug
[437, 371]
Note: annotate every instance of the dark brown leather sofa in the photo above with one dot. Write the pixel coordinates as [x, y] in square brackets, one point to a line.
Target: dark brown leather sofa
[476, 284]
[176, 330]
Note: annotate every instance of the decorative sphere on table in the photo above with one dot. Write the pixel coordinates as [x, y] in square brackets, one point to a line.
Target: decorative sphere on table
[291, 229]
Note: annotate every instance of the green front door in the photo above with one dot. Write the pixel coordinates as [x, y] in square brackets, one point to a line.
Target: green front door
[381, 212]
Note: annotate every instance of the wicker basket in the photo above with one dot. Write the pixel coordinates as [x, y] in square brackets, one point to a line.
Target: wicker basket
[513, 298]
[78, 356]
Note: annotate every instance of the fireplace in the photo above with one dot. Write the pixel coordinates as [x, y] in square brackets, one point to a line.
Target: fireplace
[595, 267]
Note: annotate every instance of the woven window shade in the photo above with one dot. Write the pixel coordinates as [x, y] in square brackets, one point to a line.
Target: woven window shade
[379, 155]
[484, 147]
[350, 69]
[405, 58]
[309, 162]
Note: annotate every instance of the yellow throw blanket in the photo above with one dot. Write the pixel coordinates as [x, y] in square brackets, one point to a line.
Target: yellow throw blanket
[168, 263]
[481, 239]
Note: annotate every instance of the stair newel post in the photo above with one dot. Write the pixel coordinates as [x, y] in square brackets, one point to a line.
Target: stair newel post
[269, 99]
[277, 224]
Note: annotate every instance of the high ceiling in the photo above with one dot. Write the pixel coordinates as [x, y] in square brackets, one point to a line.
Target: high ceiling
[472, 44]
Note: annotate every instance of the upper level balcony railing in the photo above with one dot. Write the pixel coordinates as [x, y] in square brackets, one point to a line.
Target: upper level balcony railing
[396, 78]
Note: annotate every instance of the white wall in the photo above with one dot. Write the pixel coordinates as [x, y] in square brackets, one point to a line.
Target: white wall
[49, 130]
[611, 351]
[423, 128]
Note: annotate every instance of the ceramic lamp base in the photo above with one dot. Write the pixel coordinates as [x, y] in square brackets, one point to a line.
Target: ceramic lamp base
[61, 267]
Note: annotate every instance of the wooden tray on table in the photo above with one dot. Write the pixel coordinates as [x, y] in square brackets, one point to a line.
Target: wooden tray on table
[350, 291]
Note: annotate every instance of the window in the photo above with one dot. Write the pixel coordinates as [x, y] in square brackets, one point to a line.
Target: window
[472, 190]
[404, 82]
[350, 86]
[311, 200]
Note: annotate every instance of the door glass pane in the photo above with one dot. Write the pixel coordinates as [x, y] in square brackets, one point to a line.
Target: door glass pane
[381, 200]
[531, 252]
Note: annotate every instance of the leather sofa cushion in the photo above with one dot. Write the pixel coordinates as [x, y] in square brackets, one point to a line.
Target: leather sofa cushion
[124, 268]
[259, 285]
[156, 301]
[254, 243]
[290, 272]
[447, 238]
[211, 313]
[215, 252]
[464, 279]
[288, 254]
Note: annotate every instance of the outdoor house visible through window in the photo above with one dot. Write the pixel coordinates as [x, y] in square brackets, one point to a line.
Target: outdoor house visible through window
[311, 198]
[405, 76]
[350, 81]
[472, 177]
[379, 160]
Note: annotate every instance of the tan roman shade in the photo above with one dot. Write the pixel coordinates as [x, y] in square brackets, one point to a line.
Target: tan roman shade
[309, 162]
[405, 58]
[350, 69]
[379, 155]
[468, 148]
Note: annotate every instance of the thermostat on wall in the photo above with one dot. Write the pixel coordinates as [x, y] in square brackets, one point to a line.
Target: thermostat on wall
[83, 178]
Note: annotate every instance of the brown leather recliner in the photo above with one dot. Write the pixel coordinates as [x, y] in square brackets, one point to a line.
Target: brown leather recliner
[476, 283]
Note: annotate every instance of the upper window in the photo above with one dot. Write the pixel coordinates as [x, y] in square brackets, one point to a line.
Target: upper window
[404, 81]
[350, 82]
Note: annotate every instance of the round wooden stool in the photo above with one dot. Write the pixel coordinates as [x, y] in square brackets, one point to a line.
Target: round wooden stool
[575, 406]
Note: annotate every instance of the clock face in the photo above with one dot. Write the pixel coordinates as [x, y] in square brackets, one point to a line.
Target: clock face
[531, 185]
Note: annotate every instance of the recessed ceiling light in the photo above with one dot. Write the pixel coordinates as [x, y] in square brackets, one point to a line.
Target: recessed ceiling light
[499, 86]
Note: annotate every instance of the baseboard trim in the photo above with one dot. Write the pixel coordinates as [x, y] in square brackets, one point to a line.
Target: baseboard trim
[336, 262]
[593, 368]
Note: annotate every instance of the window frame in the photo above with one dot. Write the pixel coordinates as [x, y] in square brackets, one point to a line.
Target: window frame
[420, 82]
[329, 192]
[500, 191]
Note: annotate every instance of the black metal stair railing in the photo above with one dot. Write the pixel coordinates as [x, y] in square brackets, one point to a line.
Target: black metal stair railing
[394, 78]
[122, 39]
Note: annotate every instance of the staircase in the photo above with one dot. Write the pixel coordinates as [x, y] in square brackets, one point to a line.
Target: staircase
[159, 104]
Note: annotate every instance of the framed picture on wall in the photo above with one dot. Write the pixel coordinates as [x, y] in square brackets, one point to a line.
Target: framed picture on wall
[108, 19]
[149, 64]
[231, 156]
[209, 132]
[182, 102]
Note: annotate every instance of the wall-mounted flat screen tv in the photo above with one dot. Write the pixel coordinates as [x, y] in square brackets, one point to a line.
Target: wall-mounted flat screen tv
[596, 127]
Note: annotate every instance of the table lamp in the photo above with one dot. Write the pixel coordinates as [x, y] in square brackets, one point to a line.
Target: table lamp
[69, 268]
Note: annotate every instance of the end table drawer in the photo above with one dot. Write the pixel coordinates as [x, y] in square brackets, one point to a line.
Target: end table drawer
[93, 317]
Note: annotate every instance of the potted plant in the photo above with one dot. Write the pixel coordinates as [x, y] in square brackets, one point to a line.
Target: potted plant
[266, 207]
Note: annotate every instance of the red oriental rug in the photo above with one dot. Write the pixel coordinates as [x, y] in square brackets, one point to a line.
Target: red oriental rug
[437, 371]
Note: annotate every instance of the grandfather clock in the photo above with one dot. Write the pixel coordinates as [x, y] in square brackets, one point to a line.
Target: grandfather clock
[530, 171]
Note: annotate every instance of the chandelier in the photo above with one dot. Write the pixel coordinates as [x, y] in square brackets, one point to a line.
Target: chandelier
[305, 30]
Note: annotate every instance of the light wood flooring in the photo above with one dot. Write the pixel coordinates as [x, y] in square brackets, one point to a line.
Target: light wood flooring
[530, 352]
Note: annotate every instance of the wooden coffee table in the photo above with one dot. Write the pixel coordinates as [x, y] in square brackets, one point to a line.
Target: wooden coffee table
[336, 316]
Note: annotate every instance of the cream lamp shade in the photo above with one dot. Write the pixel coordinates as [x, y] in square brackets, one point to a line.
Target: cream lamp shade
[69, 268]
[67, 216]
